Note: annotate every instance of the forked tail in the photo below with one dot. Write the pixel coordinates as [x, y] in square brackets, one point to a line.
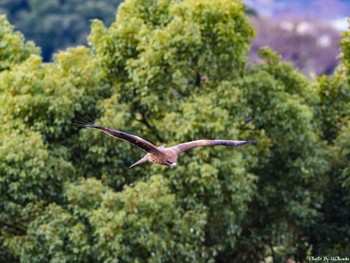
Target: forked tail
[141, 161]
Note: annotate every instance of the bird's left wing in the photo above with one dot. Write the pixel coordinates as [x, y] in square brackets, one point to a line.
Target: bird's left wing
[194, 144]
[135, 140]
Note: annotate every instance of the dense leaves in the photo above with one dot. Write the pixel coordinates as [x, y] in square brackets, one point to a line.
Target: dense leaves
[13, 48]
[57, 24]
[332, 231]
[171, 71]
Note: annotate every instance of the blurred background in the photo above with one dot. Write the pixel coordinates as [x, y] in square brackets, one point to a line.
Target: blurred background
[57, 24]
[305, 32]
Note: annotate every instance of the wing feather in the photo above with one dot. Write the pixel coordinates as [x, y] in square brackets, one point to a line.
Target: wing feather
[133, 139]
[194, 144]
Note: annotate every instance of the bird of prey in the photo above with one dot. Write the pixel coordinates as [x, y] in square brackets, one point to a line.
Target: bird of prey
[161, 154]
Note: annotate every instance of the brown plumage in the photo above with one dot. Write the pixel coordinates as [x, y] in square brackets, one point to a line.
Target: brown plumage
[161, 154]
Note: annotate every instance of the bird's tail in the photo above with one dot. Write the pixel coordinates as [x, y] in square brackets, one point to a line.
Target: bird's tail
[141, 161]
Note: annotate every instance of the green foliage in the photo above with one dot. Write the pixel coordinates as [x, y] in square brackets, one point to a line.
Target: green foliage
[346, 49]
[342, 155]
[335, 103]
[292, 159]
[171, 71]
[173, 48]
[31, 176]
[334, 92]
[13, 49]
[331, 232]
[59, 90]
[55, 25]
[186, 52]
[140, 224]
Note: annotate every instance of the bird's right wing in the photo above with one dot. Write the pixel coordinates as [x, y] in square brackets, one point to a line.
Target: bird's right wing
[135, 140]
[194, 144]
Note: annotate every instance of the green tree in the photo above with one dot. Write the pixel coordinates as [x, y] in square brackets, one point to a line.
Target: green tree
[38, 102]
[13, 48]
[331, 233]
[289, 188]
[215, 194]
[170, 71]
[57, 24]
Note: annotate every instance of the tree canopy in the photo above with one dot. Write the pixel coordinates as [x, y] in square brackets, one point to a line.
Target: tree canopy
[171, 71]
[57, 24]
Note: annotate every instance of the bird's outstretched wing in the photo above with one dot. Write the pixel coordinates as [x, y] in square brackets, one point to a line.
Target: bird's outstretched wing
[135, 140]
[194, 144]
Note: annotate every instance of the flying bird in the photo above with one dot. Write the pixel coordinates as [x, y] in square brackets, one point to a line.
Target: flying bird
[161, 154]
